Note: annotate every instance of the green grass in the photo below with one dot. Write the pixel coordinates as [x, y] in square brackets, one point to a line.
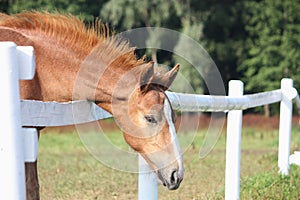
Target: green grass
[68, 171]
[269, 185]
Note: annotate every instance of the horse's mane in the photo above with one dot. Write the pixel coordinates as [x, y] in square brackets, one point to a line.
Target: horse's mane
[70, 30]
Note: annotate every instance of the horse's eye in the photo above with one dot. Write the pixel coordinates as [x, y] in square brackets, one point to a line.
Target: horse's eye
[150, 119]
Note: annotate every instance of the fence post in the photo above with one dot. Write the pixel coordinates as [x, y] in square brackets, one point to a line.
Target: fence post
[285, 126]
[233, 144]
[12, 170]
[147, 183]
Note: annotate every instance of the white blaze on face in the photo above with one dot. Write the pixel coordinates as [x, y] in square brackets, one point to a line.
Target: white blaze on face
[172, 131]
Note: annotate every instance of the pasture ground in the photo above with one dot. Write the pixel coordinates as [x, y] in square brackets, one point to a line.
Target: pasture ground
[68, 171]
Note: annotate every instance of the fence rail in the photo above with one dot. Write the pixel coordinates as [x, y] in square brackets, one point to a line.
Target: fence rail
[37, 113]
[211, 103]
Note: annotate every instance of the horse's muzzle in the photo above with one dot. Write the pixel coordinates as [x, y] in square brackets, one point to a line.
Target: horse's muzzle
[172, 180]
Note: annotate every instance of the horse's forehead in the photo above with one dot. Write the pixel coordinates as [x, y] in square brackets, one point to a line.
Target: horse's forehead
[153, 97]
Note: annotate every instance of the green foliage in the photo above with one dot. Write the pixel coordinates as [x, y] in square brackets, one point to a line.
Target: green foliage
[224, 35]
[176, 15]
[270, 185]
[274, 44]
[4, 5]
[128, 14]
[187, 69]
[86, 9]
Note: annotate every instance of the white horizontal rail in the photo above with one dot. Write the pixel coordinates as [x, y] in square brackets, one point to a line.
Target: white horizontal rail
[211, 103]
[38, 113]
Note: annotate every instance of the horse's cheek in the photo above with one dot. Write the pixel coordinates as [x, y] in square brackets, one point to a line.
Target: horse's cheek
[133, 142]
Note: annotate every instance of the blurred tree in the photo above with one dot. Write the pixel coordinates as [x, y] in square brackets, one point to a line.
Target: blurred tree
[191, 26]
[86, 9]
[220, 28]
[274, 44]
[175, 15]
[4, 5]
[129, 14]
[224, 35]
[192, 61]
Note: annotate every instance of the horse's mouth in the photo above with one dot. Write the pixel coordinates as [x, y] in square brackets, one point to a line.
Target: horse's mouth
[171, 183]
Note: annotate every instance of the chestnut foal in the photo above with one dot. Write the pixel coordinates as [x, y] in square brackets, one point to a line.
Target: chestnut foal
[75, 62]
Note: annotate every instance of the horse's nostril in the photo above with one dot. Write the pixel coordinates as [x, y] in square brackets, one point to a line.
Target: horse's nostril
[174, 177]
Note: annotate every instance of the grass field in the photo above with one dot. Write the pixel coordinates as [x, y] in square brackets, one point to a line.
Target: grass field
[68, 171]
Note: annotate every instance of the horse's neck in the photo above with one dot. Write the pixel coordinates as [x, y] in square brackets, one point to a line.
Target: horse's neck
[100, 79]
[65, 73]
[56, 69]
[96, 79]
[103, 84]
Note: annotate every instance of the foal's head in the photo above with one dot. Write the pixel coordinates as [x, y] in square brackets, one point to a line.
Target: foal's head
[147, 120]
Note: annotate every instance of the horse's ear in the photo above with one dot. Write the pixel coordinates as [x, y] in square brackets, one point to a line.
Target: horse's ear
[166, 80]
[8, 34]
[146, 76]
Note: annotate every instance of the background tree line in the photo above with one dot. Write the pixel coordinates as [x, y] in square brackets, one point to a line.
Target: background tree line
[257, 41]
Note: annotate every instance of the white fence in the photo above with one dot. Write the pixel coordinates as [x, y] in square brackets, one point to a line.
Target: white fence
[19, 145]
